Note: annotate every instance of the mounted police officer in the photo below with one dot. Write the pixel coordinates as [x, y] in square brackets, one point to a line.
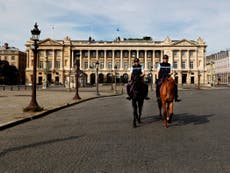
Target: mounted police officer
[165, 70]
[137, 73]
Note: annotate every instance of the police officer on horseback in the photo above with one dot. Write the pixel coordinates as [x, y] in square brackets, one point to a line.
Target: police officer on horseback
[165, 70]
[137, 73]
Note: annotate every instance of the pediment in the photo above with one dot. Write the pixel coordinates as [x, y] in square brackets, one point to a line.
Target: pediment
[184, 43]
[49, 42]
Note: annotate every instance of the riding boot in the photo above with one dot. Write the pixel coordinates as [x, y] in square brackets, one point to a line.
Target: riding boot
[158, 91]
[176, 94]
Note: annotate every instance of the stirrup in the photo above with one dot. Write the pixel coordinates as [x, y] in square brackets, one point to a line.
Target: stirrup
[177, 100]
[128, 98]
[146, 98]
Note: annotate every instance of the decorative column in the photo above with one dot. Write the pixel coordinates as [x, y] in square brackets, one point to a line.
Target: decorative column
[179, 69]
[105, 55]
[72, 63]
[80, 54]
[129, 67]
[113, 52]
[145, 54]
[88, 59]
[121, 60]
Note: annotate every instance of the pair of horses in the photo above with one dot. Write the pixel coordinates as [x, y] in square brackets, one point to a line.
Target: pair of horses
[167, 95]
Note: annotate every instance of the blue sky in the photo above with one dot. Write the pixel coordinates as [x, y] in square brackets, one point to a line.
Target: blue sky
[79, 19]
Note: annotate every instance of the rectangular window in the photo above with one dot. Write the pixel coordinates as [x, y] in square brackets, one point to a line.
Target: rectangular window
[86, 53]
[175, 65]
[141, 53]
[13, 58]
[183, 64]
[150, 66]
[86, 65]
[49, 53]
[183, 53]
[41, 53]
[109, 54]
[149, 54]
[191, 65]
[49, 64]
[110, 65]
[192, 53]
[126, 64]
[57, 64]
[117, 54]
[126, 54]
[101, 54]
[94, 54]
[118, 65]
[41, 64]
[102, 65]
[58, 52]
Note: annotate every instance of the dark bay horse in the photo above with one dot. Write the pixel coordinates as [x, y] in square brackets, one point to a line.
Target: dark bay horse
[167, 94]
[137, 96]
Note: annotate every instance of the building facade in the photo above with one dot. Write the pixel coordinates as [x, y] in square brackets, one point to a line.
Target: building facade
[16, 58]
[115, 57]
[218, 67]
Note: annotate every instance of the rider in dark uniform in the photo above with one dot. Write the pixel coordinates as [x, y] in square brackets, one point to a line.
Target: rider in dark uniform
[137, 73]
[164, 70]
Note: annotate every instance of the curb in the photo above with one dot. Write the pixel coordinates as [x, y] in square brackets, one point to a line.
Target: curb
[46, 112]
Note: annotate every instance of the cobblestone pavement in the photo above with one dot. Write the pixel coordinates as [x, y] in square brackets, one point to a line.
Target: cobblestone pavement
[13, 102]
[97, 136]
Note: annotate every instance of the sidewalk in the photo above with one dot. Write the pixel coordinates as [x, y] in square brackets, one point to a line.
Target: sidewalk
[51, 99]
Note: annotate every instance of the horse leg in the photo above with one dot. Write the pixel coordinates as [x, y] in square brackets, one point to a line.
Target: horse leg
[165, 114]
[170, 112]
[134, 104]
[140, 106]
[159, 107]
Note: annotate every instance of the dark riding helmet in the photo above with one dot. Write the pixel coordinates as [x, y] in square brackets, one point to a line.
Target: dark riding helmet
[165, 57]
[136, 60]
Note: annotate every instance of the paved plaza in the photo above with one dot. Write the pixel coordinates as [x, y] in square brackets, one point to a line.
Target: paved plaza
[12, 101]
[97, 136]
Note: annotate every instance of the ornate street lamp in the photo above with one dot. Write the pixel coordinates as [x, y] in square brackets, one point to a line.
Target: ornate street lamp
[199, 79]
[97, 78]
[115, 79]
[33, 106]
[77, 66]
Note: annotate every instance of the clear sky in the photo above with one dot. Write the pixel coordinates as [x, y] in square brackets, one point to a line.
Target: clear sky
[79, 19]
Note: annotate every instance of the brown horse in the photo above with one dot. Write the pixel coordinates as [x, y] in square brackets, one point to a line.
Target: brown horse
[167, 94]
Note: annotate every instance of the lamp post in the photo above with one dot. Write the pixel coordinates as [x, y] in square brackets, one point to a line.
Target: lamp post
[33, 106]
[45, 84]
[77, 68]
[115, 79]
[151, 72]
[97, 78]
[199, 79]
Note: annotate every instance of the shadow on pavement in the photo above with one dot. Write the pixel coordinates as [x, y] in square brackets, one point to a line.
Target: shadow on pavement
[18, 148]
[185, 119]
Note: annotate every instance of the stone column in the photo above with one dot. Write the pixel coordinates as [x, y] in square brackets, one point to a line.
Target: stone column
[129, 66]
[145, 54]
[80, 51]
[121, 60]
[113, 52]
[88, 59]
[53, 60]
[105, 55]
[72, 60]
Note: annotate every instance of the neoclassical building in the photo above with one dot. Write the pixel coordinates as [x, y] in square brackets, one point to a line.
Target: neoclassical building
[16, 58]
[115, 57]
[218, 67]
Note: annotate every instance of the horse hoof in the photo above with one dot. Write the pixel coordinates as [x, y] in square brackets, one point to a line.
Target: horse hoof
[134, 125]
